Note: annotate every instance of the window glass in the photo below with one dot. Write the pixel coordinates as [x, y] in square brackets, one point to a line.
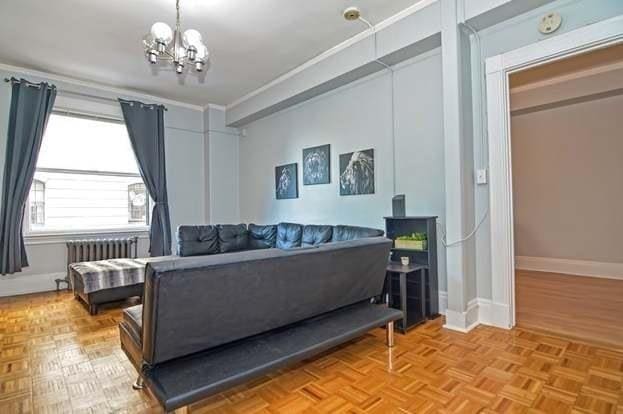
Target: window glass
[87, 178]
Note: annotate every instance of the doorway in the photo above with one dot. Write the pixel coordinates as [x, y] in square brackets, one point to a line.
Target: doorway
[567, 147]
[499, 68]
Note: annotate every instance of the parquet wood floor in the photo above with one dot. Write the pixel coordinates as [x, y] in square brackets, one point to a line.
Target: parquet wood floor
[55, 358]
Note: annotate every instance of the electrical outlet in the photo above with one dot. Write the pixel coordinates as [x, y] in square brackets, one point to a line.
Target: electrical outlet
[481, 176]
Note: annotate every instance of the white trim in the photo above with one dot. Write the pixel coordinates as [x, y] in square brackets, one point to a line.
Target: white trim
[601, 270]
[222, 108]
[499, 67]
[463, 321]
[443, 302]
[568, 77]
[19, 284]
[103, 88]
[480, 310]
[336, 49]
[484, 311]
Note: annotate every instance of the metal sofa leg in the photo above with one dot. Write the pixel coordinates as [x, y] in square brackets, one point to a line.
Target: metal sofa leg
[389, 331]
[139, 384]
[92, 309]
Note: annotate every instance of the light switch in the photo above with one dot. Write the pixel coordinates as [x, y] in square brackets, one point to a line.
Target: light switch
[481, 176]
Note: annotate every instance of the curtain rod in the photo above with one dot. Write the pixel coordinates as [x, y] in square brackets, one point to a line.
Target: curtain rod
[30, 84]
[80, 94]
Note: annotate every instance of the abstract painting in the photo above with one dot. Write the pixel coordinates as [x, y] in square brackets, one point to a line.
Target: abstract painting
[357, 173]
[317, 165]
[286, 181]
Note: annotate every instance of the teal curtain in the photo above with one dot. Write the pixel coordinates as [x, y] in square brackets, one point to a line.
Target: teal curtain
[145, 124]
[31, 105]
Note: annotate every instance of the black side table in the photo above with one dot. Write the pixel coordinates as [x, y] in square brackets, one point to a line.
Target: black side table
[406, 302]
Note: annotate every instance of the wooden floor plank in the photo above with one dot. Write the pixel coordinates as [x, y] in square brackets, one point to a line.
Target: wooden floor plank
[582, 307]
[56, 358]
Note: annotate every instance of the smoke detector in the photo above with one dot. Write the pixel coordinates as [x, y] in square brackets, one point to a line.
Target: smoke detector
[352, 13]
[550, 23]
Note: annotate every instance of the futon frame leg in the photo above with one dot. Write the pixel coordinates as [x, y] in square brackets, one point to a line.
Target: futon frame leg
[183, 410]
[92, 309]
[389, 331]
[138, 385]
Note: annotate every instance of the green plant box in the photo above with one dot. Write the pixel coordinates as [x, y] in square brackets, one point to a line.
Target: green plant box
[412, 244]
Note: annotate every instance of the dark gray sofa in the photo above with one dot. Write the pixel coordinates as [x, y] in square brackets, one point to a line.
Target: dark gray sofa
[225, 238]
[213, 321]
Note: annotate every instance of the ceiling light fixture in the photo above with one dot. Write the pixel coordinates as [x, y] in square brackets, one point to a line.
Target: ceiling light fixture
[164, 44]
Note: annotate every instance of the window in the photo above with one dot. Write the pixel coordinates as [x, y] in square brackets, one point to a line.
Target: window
[86, 179]
[137, 203]
[37, 203]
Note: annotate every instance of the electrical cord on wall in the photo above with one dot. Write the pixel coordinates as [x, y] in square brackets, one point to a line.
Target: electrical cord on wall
[483, 144]
[392, 107]
[464, 239]
[482, 128]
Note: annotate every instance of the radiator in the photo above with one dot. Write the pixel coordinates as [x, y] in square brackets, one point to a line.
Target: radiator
[99, 249]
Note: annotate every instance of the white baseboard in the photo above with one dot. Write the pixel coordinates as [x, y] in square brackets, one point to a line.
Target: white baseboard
[499, 316]
[20, 284]
[484, 311]
[570, 267]
[463, 321]
[480, 311]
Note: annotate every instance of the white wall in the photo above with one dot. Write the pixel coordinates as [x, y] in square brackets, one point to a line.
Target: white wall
[353, 117]
[567, 174]
[185, 146]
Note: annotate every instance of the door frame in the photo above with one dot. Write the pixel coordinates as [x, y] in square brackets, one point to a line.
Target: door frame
[498, 70]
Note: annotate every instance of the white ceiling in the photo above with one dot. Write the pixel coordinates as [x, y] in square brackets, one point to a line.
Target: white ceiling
[251, 41]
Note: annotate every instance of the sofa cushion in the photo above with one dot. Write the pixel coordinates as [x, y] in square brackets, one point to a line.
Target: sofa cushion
[262, 237]
[133, 317]
[197, 240]
[343, 233]
[289, 235]
[233, 237]
[314, 235]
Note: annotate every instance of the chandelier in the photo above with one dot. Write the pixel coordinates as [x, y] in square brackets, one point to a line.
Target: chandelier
[164, 44]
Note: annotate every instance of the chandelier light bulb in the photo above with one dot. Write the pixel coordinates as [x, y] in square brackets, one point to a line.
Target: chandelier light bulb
[162, 33]
[179, 68]
[192, 38]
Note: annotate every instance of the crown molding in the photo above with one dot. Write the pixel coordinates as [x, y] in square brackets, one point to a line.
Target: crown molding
[568, 77]
[336, 49]
[215, 106]
[100, 87]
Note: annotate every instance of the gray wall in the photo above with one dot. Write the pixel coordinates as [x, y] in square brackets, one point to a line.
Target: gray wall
[567, 188]
[223, 169]
[353, 117]
[185, 146]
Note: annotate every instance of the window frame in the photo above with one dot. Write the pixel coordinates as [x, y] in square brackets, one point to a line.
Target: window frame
[148, 203]
[41, 190]
[30, 234]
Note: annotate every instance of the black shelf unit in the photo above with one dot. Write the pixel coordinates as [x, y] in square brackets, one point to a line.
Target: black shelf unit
[402, 226]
